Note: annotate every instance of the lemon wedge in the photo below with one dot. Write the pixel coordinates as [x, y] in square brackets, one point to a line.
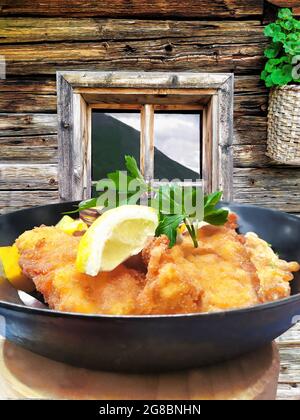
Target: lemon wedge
[11, 270]
[69, 225]
[115, 236]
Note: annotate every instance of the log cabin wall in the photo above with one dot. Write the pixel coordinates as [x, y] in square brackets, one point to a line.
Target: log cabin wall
[38, 38]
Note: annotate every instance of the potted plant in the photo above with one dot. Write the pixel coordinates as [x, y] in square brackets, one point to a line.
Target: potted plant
[282, 75]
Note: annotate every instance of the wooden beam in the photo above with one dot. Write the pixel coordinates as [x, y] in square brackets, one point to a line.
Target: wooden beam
[28, 30]
[34, 176]
[27, 124]
[40, 149]
[147, 142]
[268, 187]
[134, 8]
[284, 3]
[27, 102]
[74, 146]
[17, 200]
[191, 54]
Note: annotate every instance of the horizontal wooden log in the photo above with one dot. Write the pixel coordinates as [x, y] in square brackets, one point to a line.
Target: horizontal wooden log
[290, 357]
[244, 104]
[17, 200]
[249, 84]
[272, 187]
[251, 155]
[27, 102]
[248, 104]
[27, 30]
[178, 54]
[243, 84]
[296, 11]
[42, 149]
[284, 3]
[134, 8]
[289, 378]
[27, 124]
[19, 176]
[40, 86]
[290, 338]
[250, 130]
[288, 392]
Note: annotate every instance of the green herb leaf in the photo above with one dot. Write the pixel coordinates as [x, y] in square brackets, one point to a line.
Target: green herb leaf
[212, 199]
[272, 29]
[132, 167]
[285, 13]
[168, 226]
[217, 217]
[273, 50]
[87, 204]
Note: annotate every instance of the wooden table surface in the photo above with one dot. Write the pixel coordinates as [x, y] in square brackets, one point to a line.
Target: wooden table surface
[25, 375]
[289, 378]
[288, 384]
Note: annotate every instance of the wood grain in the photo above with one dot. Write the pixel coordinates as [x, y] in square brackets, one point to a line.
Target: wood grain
[27, 102]
[17, 200]
[250, 377]
[184, 54]
[289, 379]
[36, 85]
[27, 124]
[29, 30]
[42, 149]
[269, 187]
[134, 8]
[285, 3]
[19, 176]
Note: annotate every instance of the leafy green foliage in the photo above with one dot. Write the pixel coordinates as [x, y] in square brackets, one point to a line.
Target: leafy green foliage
[282, 50]
[168, 200]
[213, 215]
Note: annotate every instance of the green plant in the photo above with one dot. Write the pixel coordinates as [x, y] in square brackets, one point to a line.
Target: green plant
[178, 212]
[283, 50]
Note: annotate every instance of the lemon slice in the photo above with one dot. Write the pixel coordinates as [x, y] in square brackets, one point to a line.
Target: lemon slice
[10, 269]
[115, 236]
[69, 225]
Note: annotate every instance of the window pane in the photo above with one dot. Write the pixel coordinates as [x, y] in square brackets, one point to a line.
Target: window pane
[114, 135]
[177, 145]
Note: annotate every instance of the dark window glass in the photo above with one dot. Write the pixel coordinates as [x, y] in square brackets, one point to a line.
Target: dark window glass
[114, 135]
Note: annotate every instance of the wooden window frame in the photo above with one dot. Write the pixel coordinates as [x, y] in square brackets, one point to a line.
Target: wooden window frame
[79, 92]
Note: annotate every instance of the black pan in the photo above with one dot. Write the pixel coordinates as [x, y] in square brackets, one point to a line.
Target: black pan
[154, 343]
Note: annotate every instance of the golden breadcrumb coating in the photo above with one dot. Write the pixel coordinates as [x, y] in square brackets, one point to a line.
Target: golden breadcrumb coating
[215, 276]
[226, 271]
[48, 256]
[274, 274]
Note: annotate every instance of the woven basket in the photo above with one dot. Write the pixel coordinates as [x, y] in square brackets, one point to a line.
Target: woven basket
[284, 125]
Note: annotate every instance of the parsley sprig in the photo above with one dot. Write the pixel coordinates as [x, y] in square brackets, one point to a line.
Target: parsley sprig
[177, 212]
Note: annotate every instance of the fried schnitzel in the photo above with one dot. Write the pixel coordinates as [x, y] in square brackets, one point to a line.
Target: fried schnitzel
[48, 256]
[226, 271]
[217, 275]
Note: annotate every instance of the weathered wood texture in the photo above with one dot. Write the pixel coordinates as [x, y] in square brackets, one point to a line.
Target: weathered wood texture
[135, 8]
[285, 3]
[25, 375]
[289, 379]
